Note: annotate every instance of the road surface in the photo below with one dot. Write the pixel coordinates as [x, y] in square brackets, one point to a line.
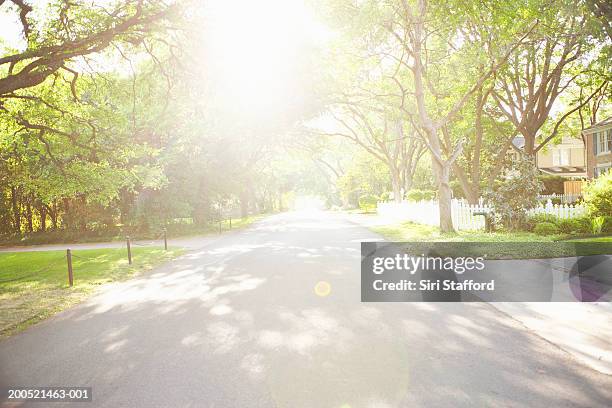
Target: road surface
[243, 322]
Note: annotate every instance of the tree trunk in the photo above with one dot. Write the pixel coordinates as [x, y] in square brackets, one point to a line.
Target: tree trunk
[441, 170]
[445, 198]
[408, 181]
[480, 101]
[125, 202]
[82, 205]
[397, 185]
[68, 217]
[244, 204]
[54, 215]
[43, 217]
[471, 190]
[29, 216]
[16, 211]
[529, 148]
[472, 193]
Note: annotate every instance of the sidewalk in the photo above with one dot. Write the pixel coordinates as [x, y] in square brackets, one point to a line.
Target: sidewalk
[191, 242]
[584, 330]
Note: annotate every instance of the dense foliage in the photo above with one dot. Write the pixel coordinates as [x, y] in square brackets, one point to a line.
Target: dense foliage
[598, 196]
[139, 114]
[516, 194]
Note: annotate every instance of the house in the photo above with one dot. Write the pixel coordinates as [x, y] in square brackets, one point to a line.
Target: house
[598, 142]
[566, 159]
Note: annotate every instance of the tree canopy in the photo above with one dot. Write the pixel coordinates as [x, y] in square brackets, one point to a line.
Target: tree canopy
[144, 113]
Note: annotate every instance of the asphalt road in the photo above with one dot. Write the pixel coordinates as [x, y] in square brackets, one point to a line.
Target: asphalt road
[241, 322]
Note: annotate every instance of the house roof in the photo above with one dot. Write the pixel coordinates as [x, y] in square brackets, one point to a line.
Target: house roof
[600, 124]
[518, 141]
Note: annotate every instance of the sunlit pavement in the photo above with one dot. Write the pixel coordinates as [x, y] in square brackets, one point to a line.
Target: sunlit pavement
[271, 316]
[582, 329]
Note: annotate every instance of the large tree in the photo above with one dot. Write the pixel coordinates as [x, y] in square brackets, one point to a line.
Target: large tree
[435, 53]
[484, 155]
[557, 54]
[79, 31]
[387, 137]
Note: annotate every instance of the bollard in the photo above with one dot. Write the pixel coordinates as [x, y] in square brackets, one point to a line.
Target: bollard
[230, 222]
[129, 248]
[165, 240]
[69, 259]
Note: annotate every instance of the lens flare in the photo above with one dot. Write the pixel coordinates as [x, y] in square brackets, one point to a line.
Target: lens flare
[322, 288]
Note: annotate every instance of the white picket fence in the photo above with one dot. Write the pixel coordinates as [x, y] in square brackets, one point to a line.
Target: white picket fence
[564, 211]
[563, 198]
[464, 218]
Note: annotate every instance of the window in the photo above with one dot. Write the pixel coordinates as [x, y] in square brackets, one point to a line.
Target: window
[603, 141]
[561, 157]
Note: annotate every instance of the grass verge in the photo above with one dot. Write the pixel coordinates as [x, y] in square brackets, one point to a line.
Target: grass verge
[34, 285]
[408, 231]
[521, 245]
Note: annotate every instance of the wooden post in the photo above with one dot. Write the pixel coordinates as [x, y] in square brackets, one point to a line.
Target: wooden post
[129, 248]
[165, 240]
[69, 259]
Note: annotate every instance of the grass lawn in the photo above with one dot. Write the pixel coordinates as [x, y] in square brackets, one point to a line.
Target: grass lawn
[236, 223]
[408, 231]
[34, 285]
[519, 244]
[593, 239]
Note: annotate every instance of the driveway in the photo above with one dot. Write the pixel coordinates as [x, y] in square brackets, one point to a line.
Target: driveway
[271, 317]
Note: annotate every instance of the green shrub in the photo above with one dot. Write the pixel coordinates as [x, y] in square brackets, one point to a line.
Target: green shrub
[545, 218]
[598, 223]
[607, 225]
[517, 193]
[414, 195]
[429, 194]
[533, 220]
[385, 196]
[580, 225]
[456, 188]
[585, 223]
[598, 196]
[367, 202]
[546, 228]
[419, 195]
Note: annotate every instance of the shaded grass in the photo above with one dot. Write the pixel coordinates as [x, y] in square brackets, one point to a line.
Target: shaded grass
[34, 285]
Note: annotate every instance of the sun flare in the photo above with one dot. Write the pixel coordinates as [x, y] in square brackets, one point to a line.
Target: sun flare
[255, 46]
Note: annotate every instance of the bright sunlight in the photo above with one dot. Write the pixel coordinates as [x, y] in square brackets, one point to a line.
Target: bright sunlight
[255, 49]
[306, 203]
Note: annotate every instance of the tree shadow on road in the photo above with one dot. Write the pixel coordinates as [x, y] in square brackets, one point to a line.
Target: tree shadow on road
[244, 326]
